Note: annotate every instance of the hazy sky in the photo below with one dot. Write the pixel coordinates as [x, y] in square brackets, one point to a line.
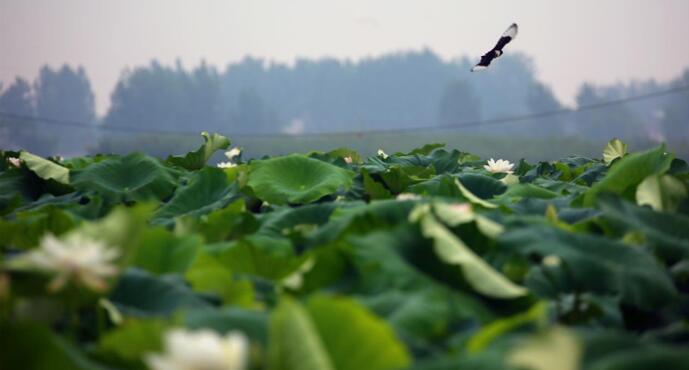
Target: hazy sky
[602, 41]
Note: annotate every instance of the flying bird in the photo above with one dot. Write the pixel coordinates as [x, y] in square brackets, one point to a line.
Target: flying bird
[496, 52]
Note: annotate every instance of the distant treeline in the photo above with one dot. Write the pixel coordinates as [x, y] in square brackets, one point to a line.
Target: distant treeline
[400, 90]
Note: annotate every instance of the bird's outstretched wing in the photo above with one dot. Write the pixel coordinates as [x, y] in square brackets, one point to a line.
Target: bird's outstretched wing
[484, 62]
[507, 36]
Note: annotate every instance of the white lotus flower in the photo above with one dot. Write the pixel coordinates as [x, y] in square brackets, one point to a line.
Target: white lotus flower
[499, 166]
[382, 154]
[84, 261]
[201, 350]
[226, 165]
[16, 162]
[348, 159]
[408, 196]
[232, 153]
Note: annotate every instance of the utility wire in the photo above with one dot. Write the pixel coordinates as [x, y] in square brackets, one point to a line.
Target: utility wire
[459, 125]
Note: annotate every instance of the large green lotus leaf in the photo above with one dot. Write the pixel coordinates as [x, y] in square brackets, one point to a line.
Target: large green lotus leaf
[439, 186]
[294, 342]
[33, 346]
[78, 163]
[393, 259]
[44, 168]
[519, 191]
[360, 218]
[617, 350]
[83, 206]
[644, 358]
[444, 161]
[276, 223]
[561, 205]
[231, 222]
[484, 187]
[374, 189]
[483, 338]
[252, 323]
[28, 227]
[135, 177]
[208, 274]
[296, 179]
[479, 274]
[629, 171]
[133, 340]
[399, 178]
[208, 190]
[471, 197]
[597, 264]
[197, 159]
[142, 294]
[426, 149]
[161, 252]
[667, 233]
[245, 257]
[424, 313]
[662, 193]
[13, 190]
[353, 337]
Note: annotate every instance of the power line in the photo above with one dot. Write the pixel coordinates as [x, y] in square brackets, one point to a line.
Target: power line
[459, 125]
[92, 126]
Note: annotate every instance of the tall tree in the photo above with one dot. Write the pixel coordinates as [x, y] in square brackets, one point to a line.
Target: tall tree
[22, 133]
[539, 99]
[676, 112]
[606, 123]
[168, 99]
[65, 94]
[459, 104]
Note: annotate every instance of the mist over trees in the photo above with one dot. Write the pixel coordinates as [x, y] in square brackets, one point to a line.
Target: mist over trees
[63, 94]
[395, 91]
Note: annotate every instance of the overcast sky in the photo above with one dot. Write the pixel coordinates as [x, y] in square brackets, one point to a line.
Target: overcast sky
[601, 41]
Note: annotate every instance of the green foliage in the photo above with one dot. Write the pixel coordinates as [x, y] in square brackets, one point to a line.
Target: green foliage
[450, 249]
[296, 179]
[44, 168]
[134, 177]
[614, 150]
[197, 159]
[629, 172]
[568, 264]
[208, 190]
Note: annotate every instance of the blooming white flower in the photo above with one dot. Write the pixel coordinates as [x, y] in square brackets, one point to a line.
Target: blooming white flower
[348, 159]
[499, 166]
[226, 165]
[85, 261]
[16, 162]
[382, 154]
[232, 153]
[408, 196]
[203, 349]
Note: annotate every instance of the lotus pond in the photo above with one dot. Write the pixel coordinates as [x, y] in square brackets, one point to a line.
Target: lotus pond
[433, 259]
